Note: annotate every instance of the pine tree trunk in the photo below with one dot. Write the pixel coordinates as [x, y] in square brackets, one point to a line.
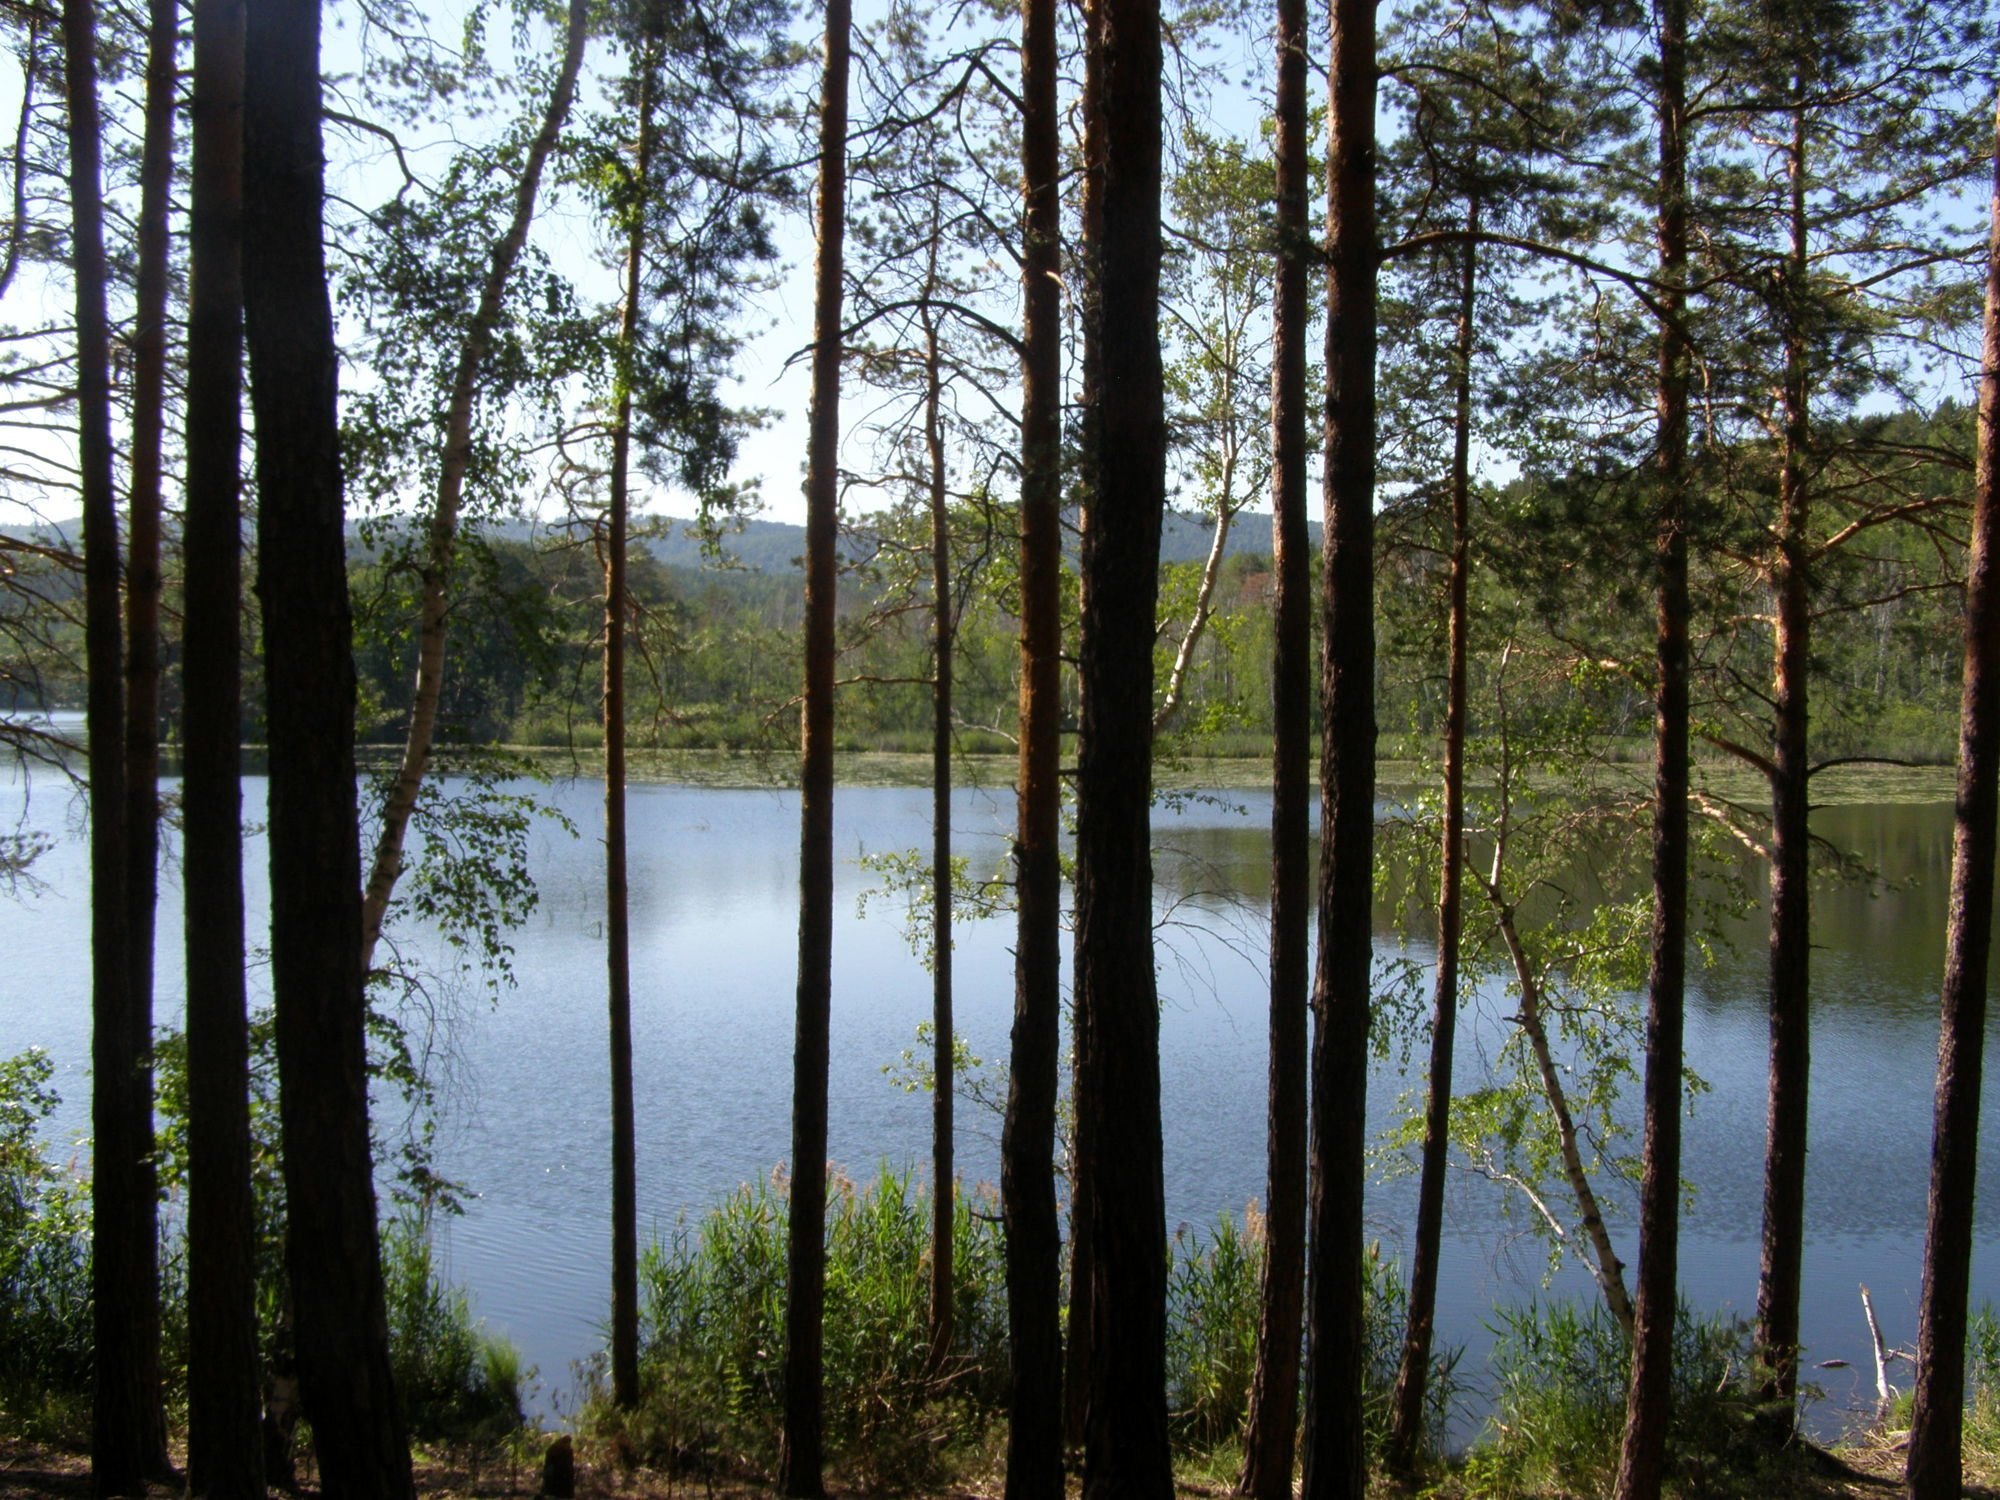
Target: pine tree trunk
[1648, 1405]
[125, 1391]
[1118, 1047]
[942, 1176]
[1271, 1430]
[1778, 1282]
[1027, 1142]
[1413, 1372]
[225, 1447]
[142, 680]
[332, 1251]
[1938, 1420]
[1335, 1461]
[433, 610]
[801, 1458]
[617, 926]
[1082, 1235]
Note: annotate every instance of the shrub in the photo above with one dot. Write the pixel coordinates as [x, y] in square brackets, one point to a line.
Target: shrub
[45, 1306]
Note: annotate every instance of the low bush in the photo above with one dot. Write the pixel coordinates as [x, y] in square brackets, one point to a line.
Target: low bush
[45, 1298]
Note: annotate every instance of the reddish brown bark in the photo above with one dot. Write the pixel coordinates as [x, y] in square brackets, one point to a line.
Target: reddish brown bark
[1076, 1353]
[1027, 1142]
[800, 1461]
[1271, 1430]
[617, 923]
[1648, 1406]
[1335, 1459]
[1118, 1052]
[332, 1252]
[941, 1019]
[142, 670]
[124, 1389]
[225, 1448]
[1783, 1250]
[1938, 1419]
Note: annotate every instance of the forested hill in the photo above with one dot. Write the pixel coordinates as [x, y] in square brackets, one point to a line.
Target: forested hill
[762, 546]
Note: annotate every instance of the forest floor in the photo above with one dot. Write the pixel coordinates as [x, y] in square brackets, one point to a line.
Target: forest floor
[28, 1469]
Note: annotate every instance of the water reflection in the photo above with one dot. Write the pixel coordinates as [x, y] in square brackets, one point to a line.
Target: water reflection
[714, 902]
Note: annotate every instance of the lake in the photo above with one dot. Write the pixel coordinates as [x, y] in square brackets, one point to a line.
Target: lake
[714, 918]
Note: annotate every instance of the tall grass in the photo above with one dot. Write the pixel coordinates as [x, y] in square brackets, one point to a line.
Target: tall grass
[1559, 1410]
[712, 1303]
[712, 1338]
[456, 1382]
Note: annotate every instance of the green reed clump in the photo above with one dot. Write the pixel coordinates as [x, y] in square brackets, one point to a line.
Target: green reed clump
[456, 1382]
[1982, 1386]
[45, 1305]
[1559, 1411]
[712, 1341]
[1213, 1299]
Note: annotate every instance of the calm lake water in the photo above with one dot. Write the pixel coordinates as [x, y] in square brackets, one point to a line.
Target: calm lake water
[714, 913]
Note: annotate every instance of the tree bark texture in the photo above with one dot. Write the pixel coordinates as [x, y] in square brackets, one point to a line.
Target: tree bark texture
[1649, 1395]
[1118, 1044]
[124, 1390]
[433, 610]
[1937, 1423]
[225, 1446]
[942, 1174]
[801, 1458]
[1784, 1226]
[617, 921]
[1270, 1432]
[1335, 1461]
[1413, 1371]
[142, 676]
[1027, 1142]
[332, 1251]
[1076, 1354]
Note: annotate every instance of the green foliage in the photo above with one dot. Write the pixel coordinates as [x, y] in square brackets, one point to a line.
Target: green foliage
[1982, 1381]
[45, 1306]
[1560, 1375]
[456, 1382]
[1212, 1305]
[712, 1337]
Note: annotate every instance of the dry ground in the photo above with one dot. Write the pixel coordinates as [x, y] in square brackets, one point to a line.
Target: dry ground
[1863, 1472]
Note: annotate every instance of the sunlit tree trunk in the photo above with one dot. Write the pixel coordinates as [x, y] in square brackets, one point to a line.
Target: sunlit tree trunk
[800, 1460]
[1938, 1420]
[1082, 1233]
[1648, 1405]
[1413, 1371]
[1118, 1045]
[1027, 1143]
[617, 926]
[433, 612]
[1335, 1463]
[225, 1446]
[1778, 1281]
[1271, 1431]
[941, 1019]
[332, 1252]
